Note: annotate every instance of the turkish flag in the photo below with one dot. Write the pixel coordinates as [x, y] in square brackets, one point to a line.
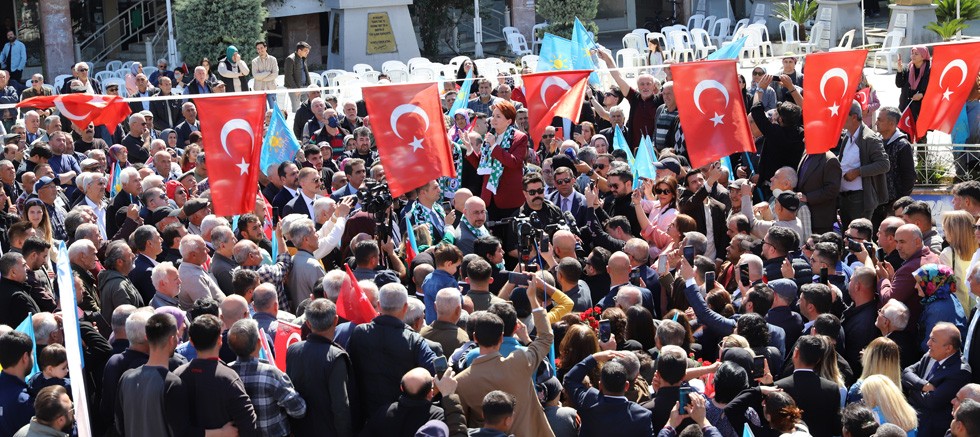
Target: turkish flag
[951, 78]
[410, 131]
[352, 303]
[232, 128]
[286, 335]
[553, 94]
[711, 109]
[829, 86]
[907, 124]
[863, 96]
[83, 109]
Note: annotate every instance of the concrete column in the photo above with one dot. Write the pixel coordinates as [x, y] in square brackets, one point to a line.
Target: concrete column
[906, 17]
[841, 16]
[522, 17]
[304, 28]
[59, 50]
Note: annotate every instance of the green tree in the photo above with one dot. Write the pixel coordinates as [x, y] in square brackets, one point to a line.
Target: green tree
[560, 15]
[207, 27]
[431, 16]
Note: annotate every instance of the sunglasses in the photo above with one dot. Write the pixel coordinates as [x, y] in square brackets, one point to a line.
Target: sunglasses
[535, 192]
[758, 73]
[976, 227]
[83, 69]
[563, 181]
[600, 166]
[547, 136]
[660, 191]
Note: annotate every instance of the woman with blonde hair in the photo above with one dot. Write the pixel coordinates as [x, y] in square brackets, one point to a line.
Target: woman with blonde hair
[879, 391]
[827, 367]
[880, 357]
[958, 229]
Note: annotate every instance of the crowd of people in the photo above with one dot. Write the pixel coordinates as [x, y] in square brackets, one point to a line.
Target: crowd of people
[788, 294]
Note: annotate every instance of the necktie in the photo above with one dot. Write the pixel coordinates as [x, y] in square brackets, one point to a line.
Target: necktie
[565, 207]
[932, 371]
[805, 165]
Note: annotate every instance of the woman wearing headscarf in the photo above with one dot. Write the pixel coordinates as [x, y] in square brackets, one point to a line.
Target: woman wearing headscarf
[117, 154]
[913, 78]
[936, 285]
[233, 70]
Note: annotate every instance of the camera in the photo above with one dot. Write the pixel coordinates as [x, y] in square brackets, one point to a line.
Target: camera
[375, 198]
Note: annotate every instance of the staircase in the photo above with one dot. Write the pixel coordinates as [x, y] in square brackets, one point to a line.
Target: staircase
[124, 36]
[496, 16]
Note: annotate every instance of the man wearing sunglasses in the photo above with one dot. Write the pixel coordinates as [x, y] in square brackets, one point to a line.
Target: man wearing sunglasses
[80, 71]
[546, 213]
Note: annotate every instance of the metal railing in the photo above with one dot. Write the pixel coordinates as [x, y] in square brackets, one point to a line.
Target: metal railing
[945, 164]
[156, 44]
[496, 16]
[125, 28]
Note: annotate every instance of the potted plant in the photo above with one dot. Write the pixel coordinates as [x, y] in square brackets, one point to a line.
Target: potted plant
[947, 25]
[801, 13]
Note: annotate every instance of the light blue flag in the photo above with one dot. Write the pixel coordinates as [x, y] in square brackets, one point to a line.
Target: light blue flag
[730, 51]
[73, 339]
[653, 150]
[581, 37]
[275, 246]
[280, 144]
[727, 161]
[644, 164]
[558, 54]
[463, 96]
[961, 130]
[27, 327]
[619, 142]
[746, 431]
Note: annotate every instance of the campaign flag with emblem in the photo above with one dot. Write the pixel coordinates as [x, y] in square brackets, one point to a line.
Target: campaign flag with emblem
[408, 126]
[711, 109]
[27, 327]
[557, 54]
[553, 94]
[952, 77]
[586, 45]
[352, 303]
[286, 335]
[73, 340]
[829, 88]
[115, 185]
[280, 143]
[463, 96]
[619, 143]
[412, 248]
[232, 129]
[906, 123]
[83, 109]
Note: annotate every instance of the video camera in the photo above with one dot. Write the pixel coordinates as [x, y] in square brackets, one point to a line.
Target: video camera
[375, 198]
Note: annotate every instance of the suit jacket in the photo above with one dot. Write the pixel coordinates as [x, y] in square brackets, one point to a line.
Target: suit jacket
[819, 399]
[196, 88]
[974, 347]
[692, 204]
[296, 206]
[138, 106]
[66, 87]
[791, 322]
[343, 192]
[512, 375]
[726, 325]
[934, 408]
[602, 413]
[513, 164]
[578, 208]
[819, 181]
[140, 277]
[167, 114]
[647, 302]
[282, 198]
[874, 166]
[184, 130]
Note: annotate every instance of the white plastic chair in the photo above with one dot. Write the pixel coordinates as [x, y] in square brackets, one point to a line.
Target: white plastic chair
[59, 81]
[127, 64]
[680, 46]
[113, 65]
[641, 32]
[393, 65]
[122, 72]
[530, 61]
[765, 44]
[103, 75]
[696, 20]
[813, 43]
[417, 62]
[147, 71]
[789, 31]
[316, 79]
[329, 75]
[370, 76]
[458, 60]
[661, 41]
[846, 41]
[518, 44]
[629, 58]
[719, 31]
[398, 75]
[739, 25]
[889, 48]
[535, 39]
[361, 68]
[632, 41]
[750, 50]
[702, 43]
[345, 80]
[708, 22]
[759, 13]
[422, 74]
[509, 30]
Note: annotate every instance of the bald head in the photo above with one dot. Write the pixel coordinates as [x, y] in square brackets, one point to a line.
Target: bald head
[475, 211]
[417, 383]
[969, 391]
[233, 309]
[908, 240]
[618, 267]
[564, 242]
[460, 198]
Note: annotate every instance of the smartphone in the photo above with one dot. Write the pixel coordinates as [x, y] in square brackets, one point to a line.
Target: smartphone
[685, 398]
[576, 129]
[560, 133]
[662, 265]
[758, 366]
[709, 280]
[635, 277]
[824, 276]
[689, 254]
[275, 216]
[853, 245]
[605, 331]
[545, 245]
[517, 278]
[743, 274]
[441, 365]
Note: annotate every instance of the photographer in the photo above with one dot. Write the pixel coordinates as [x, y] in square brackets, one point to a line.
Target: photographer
[543, 214]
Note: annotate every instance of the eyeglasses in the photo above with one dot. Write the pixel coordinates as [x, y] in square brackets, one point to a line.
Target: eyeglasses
[83, 69]
[535, 192]
[547, 136]
[976, 227]
[163, 196]
[563, 181]
[600, 166]
[758, 73]
[660, 191]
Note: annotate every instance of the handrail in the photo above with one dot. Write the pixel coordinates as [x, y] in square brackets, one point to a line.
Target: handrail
[151, 15]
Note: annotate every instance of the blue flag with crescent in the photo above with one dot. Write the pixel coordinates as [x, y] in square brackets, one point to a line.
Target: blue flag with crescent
[586, 44]
[729, 51]
[463, 96]
[280, 144]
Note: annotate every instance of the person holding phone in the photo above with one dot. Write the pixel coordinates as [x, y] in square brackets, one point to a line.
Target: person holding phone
[607, 409]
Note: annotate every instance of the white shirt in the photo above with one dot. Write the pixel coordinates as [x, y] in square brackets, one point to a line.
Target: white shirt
[309, 203]
[99, 215]
[850, 160]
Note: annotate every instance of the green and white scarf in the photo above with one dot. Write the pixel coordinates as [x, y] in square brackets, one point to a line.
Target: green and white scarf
[491, 166]
[477, 232]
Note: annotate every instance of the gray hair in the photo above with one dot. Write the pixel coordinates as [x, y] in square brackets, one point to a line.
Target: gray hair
[47, 326]
[631, 363]
[159, 273]
[855, 110]
[119, 316]
[698, 240]
[246, 334]
[86, 231]
[301, 229]
[114, 253]
[891, 112]
[79, 248]
[322, 204]
[189, 243]
[628, 296]
[416, 312]
[221, 234]
[264, 297]
[333, 281]
[143, 235]
[588, 154]
[152, 181]
[370, 288]
[670, 332]
[85, 180]
[392, 297]
[448, 301]
[51, 119]
[136, 325]
[212, 221]
[897, 313]
[791, 175]
[321, 315]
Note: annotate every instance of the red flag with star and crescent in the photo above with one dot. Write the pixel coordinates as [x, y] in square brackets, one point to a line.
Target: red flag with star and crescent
[408, 125]
[906, 123]
[553, 94]
[952, 76]
[829, 86]
[711, 109]
[83, 109]
[232, 129]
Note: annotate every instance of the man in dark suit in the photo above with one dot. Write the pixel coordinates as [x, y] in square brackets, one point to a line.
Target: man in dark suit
[166, 113]
[148, 245]
[608, 409]
[356, 173]
[864, 164]
[82, 74]
[619, 201]
[819, 398]
[971, 347]
[692, 202]
[932, 383]
[309, 183]
[289, 174]
[189, 125]
[143, 89]
[566, 198]
[671, 366]
[818, 183]
[619, 270]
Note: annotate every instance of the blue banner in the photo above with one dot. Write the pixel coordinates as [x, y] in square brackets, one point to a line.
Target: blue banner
[280, 144]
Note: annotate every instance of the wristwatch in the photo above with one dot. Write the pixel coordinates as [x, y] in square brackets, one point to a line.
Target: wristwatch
[590, 173]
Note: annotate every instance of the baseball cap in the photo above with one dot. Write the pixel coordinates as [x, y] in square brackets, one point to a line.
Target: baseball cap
[668, 164]
[194, 205]
[161, 213]
[146, 113]
[185, 175]
[788, 200]
[548, 389]
[785, 288]
[42, 182]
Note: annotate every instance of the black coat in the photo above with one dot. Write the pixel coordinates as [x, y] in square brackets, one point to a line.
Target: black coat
[974, 346]
[15, 302]
[859, 329]
[819, 399]
[402, 418]
[783, 145]
[140, 277]
[934, 408]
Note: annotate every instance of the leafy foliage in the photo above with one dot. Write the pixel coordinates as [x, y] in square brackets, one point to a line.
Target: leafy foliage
[560, 15]
[433, 18]
[800, 13]
[946, 10]
[947, 29]
[207, 27]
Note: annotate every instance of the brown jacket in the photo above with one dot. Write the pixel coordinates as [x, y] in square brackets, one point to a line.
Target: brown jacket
[450, 336]
[512, 375]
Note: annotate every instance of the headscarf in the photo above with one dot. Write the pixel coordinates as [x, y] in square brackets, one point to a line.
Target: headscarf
[456, 131]
[936, 281]
[111, 159]
[166, 133]
[598, 136]
[915, 74]
[230, 51]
